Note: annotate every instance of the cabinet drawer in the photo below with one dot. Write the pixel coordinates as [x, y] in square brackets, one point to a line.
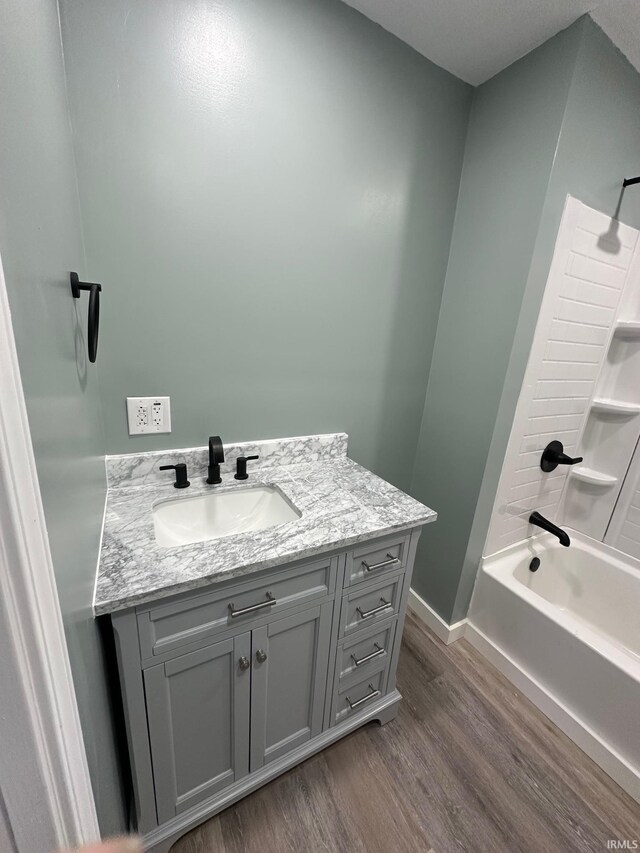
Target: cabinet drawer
[365, 606]
[196, 619]
[373, 559]
[366, 651]
[352, 698]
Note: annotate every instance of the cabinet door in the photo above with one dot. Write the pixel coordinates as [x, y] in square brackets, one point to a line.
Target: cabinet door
[198, 712]
[289, 661]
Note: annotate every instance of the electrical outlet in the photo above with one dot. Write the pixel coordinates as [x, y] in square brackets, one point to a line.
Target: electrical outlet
[156, 414]
[142, 417]
[148, 414]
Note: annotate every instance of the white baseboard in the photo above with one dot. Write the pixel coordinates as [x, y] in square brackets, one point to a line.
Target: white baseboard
[582, 735]
[443, 631]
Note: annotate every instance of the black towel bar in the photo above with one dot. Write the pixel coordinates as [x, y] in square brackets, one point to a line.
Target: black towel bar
[93, 319]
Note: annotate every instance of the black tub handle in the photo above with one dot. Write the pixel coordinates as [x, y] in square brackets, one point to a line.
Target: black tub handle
[93, 320]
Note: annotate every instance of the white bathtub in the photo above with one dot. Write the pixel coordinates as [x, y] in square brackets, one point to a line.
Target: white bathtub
[568, 636]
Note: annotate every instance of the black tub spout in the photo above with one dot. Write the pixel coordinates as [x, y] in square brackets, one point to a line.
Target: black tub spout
[550, 527]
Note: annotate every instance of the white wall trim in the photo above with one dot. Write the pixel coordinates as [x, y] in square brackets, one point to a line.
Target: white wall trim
[443, 631]
[32, 638]
[581, 734]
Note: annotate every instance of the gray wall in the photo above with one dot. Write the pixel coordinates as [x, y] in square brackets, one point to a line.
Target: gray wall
[513, 132]
[600, 140]
[268, 192]
[40, 241]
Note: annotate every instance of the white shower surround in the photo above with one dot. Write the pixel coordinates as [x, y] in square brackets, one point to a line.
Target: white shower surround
[581, 304]
[568, 636]
[624, 531]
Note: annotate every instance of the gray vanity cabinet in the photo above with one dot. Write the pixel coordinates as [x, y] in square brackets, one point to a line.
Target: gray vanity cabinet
[198, 713]
[290, 660]
[233, 706]
[229, 685]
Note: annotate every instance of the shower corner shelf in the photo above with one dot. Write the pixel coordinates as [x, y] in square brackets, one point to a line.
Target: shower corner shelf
[615, 407]
[593, 478]
[627, 329]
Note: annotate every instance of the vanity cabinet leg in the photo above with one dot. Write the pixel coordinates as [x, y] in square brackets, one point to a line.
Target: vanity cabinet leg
[389, 713]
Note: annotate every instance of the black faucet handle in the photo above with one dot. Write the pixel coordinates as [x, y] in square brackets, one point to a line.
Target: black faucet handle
[241, 466]
[181, 474]
[563, 459]
[554, 455]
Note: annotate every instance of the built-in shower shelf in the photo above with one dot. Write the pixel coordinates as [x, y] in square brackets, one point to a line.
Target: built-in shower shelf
[594, 478]
[628, 328]
[615, 407]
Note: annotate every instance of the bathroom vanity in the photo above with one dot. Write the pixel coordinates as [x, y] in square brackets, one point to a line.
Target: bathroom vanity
[241, 656]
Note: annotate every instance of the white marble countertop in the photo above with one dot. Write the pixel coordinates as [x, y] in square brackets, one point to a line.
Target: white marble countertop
[341, 503]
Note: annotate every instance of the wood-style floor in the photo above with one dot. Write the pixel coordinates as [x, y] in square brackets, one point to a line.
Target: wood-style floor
[469, 764]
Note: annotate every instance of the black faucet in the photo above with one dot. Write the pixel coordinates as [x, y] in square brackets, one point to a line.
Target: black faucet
[550, 527]
[216, 456]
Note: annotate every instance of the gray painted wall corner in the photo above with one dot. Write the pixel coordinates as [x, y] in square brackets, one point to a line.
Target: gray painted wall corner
[590, 164]
[513, 132]
[40, 242]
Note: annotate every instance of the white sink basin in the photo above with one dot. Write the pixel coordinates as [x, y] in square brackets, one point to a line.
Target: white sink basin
[212, 516]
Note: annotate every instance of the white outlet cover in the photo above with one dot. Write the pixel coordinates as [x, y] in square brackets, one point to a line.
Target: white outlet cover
[148, 414]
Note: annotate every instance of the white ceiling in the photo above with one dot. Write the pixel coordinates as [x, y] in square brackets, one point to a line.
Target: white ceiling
[474, 39]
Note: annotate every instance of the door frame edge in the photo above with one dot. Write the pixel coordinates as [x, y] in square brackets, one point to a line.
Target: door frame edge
[34, 636]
